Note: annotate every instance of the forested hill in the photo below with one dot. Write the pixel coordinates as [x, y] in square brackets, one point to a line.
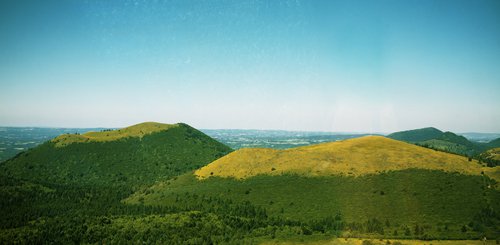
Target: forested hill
[417, 135]
[137, 155]
[444, 141]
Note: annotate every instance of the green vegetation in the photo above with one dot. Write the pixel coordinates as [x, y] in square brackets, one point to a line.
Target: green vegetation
[154, 183]
[491, 157]
[433, 138]
[96, 215]
[446, 146]
[493, 144]
[417, 135]
[452, 143]
[399, 204]
[128, 161]
[51, 185]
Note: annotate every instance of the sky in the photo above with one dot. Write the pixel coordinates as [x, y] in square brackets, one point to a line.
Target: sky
[341, 66]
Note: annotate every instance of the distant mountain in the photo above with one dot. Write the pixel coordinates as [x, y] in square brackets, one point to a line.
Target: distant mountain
[494, 143]
[417, 135]
[454, 138]
[444, 141]
[136, 155]
[480, 137]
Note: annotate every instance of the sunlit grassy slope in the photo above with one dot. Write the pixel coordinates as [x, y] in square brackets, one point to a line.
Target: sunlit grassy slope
[138, 130]
[493, 154]
[491, 158]
[353, 157]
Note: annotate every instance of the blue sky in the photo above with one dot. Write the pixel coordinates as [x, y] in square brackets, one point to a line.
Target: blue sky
[370, 66]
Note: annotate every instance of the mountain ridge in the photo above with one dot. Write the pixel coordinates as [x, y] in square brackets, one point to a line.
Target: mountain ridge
[445, 141]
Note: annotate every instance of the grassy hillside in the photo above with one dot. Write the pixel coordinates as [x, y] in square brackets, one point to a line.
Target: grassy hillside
[354, 157]
[491, 157]
[138, 130]
[138, 155]
[416, 135]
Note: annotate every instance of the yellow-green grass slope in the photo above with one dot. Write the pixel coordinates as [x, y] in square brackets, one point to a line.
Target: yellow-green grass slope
[138, 130]
[353, 157]
[494, 154]
[491, 157]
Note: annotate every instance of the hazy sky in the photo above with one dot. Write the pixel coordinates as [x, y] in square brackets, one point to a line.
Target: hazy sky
[372, 66]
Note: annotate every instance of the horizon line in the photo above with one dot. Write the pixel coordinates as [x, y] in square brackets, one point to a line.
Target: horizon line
[255, 129]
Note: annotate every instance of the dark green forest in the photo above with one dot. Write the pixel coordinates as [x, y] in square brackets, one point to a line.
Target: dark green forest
[449, 142]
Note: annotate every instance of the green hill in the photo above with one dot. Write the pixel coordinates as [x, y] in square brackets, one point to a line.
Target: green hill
[491, 157]
[417, 135]
[62, 190]
[136, 131]
[133, 156]
[457, 139]
[444, 141]
[395, 190]
[494, 143]
[453, 143]
[355, 157]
